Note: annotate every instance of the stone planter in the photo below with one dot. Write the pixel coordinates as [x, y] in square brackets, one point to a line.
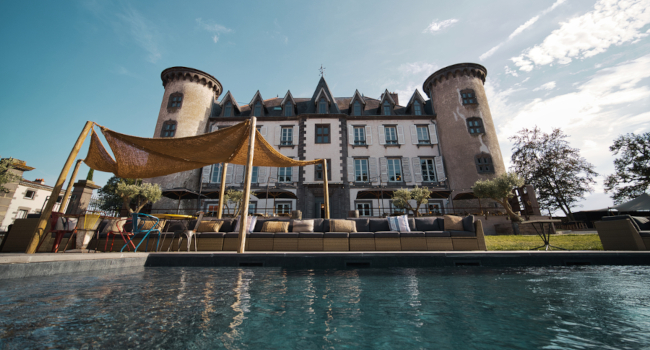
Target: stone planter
[83, 238]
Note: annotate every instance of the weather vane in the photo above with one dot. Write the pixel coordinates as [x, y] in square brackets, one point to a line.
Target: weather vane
[322, 70]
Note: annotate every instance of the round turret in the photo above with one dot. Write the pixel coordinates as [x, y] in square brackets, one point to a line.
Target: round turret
[468, 139]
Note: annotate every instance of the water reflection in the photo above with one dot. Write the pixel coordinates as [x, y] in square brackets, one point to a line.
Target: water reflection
[240, 306]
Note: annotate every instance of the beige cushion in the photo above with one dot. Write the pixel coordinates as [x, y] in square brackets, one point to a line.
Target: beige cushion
[275, 226]
[209, 226]
[149, 224]
[303, 226]
[453, 223]
[114, 225]
[343, 226]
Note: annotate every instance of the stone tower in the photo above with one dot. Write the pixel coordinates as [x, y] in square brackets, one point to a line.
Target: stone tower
[467, 135]
[185, 109]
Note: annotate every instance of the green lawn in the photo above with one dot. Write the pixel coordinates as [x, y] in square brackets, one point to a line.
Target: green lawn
[570, 242]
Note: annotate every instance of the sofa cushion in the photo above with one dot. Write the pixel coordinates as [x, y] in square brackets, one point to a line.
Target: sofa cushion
[379, 225]
[319, 225]
[399, 223]
[437, 234]
[114, 225]
[250, 224]
[260, 235]
[211, 234]
[468, 223]
[177, 226]
[462, 233]
[227, 226]
[427, 224]
[621, 217]
[644, 233]
[209, 226]
[412, 234]
[286, 235]
[412, 226]
[387, 234]
[231, 235]
[453, 223]
[310, 235]
[342, 226]
[303, 226]
[642, 223]
[275, 226]
[360, 234]
[337, 234]
[362, 224]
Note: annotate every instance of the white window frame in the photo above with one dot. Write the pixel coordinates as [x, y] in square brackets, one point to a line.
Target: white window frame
[255, 174]
[394, 170]
[391, 131]
[417, 109]
[361, 173]
[33, 194]
[285, 174]
[281, 207]
[288, 109]
[386, 108]
[24, 213]
[364, 208]
[287, 136]
[428, 168]
[216, 172]
[423, 134]
[360, 135]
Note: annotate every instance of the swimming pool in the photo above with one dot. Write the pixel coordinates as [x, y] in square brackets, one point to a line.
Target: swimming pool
[262, 308]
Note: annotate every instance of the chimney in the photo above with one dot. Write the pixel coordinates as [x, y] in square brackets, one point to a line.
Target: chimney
[393, 95]
[40, 181]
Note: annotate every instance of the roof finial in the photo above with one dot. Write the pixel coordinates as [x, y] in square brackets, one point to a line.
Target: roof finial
[322, 70]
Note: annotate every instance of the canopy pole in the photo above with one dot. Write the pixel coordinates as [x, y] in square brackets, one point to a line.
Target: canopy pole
[326, 193]
[247, 188]
[39, 232]
[64, 201]
[222, 189]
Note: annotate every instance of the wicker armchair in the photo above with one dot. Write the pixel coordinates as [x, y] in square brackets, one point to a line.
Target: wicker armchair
[623, 232]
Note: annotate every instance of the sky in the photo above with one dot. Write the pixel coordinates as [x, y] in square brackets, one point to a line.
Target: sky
[582, 66]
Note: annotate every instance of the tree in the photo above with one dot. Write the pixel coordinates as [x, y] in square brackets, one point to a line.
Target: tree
[110, 200]
[500, 189]
[91, 172]
[141, 193]
[402, 197]
[560, 176]
[236, 197]
[6, 176]
[632, 177]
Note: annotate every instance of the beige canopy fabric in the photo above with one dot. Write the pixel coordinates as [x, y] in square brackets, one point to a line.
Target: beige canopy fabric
[139, 157]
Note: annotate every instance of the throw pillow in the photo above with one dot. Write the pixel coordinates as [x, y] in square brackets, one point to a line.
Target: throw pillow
[275, 226]
[343, 226]
[114, 225]
[453, 223]
[399, 223]
[303, 226]
[209, 226]
[250, 224]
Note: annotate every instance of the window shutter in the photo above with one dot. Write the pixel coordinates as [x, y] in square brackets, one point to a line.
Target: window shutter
[372, 168]
[263, 130]
[239, 173]
[274, 174]
[351, 134]
[278, 133]
[295, 170]
[400, 135]
[368, 135]
[205, 174]
[406, 168]
[440, 169]
[414, 134]
[350, 169]
[382, 135]
[214, 127]
[383, 167]
[262, 176]
[229, 173]
[294, 137]
[432, 134]
[417, 169]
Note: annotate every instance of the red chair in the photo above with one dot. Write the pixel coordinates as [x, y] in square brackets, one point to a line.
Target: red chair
[60, 228]
[119, 226]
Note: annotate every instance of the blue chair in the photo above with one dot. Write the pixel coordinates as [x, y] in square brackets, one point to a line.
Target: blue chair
[139, 222]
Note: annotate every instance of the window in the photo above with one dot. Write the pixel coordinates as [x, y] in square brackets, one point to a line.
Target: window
[216, 173]
[386, 108]
[258, 109]
[318, 175]
[434, 207]
[21, 214]
[475, 126]
[284, 174]
[322, 133]
[428, 170]
[288, 109]
[227, 110]
[287, 136]
[394, 170]
[168, 129]
[423, 135]
[361, 170]
[395, 210]
[255, 174]
[391, 135]
[469, 98]
[417, 109]
[359, 135]
[484, 163]
[357, 108]
[30, 194]
[322, 106]
[252, 208]
[364, 208]
[283, 207]
[175, 100]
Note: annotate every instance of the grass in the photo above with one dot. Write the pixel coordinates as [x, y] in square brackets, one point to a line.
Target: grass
[569, 242]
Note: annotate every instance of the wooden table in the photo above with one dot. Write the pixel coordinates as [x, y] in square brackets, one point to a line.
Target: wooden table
[542, 233]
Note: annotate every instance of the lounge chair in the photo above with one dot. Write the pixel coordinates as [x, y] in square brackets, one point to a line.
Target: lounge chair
[624, 232]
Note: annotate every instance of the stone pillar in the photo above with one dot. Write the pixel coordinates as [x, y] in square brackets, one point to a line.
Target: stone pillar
[82, 192]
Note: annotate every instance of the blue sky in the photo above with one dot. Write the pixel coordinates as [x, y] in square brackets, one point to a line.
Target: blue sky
[583, 66]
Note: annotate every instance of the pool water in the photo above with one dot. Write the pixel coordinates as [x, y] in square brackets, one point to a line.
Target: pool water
[266, 308]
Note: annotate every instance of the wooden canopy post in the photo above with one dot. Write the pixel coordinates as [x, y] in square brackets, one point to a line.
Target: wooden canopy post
[247, 188]
[64, 201]
[222, 189]
[39, 232]
[326, 193]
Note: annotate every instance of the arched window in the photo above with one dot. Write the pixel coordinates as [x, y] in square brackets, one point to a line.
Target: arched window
[258, 109]
[175, 100]
[168, 129]
[322, 106]
[484, 164]
[357, 108]
[386, 108]
[417, 109]
[288, 109]
[475, 126]
[227, 110]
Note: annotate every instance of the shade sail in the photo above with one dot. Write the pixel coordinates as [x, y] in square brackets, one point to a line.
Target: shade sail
[641, 202]
[139, 157]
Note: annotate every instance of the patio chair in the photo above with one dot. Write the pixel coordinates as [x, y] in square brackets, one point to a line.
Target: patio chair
[143, 224]
[60, 226]
[116, 227]
[86, 222]
[189, 234]
[624, 232]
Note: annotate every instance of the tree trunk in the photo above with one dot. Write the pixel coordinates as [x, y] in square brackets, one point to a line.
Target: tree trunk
[513, 217]
[515, 228]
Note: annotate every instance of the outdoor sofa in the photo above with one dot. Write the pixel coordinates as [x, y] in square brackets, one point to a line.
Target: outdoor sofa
[624, 232]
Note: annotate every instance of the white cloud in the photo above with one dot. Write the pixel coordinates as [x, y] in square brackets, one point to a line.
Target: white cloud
[523, 27]
[417, 68]
[213, 28]
[142, 31]
[511, 72]
[548, 86]
[437, 26]
[610, 23]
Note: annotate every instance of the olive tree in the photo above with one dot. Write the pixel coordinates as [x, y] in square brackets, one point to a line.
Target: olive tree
[402, 197]
[6, 176]
[500, 189]
[141, 193]
[235, 197]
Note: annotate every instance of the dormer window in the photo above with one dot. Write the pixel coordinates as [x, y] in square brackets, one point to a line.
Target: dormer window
[257, 111]
[288, 109]
[175, 100]
[322, 106]
[417, 109]
[469, 97]
[386, 108]
[168, 129]
[357, 108]
[227, 110]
